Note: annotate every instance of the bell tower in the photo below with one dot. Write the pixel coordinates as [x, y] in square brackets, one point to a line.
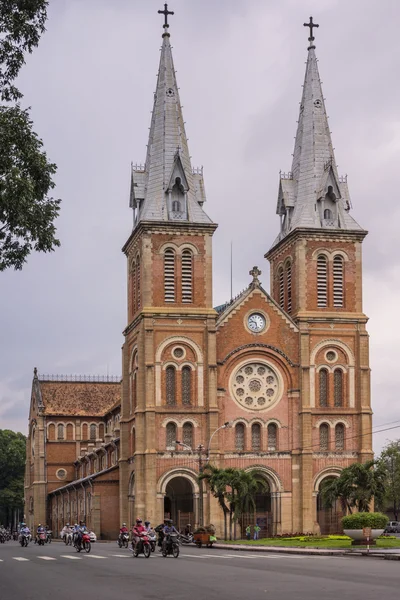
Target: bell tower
[316, 277]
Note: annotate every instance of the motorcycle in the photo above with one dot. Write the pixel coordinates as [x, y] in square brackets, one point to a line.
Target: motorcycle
[123, 540]
[68, 538]
[142, 546]
[170, 545]
[41, 538]
[187, 539]
[152, 539]
[23, 539]
[48, 537]
[83, 543]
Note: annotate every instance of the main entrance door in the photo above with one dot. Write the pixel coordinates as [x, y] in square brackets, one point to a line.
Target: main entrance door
[179, 502]
[329, 519]
[262, 515]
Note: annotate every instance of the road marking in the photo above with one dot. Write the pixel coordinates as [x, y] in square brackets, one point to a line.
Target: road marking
[95, 556]
[46, 558]
[20, 558]
[121, 555]
[71, 557]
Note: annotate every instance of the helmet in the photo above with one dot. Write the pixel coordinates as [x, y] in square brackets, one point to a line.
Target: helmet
[147, 522]
[39, 525]
[138, 521]
[23, 524]
[123, 524]
[67, 525]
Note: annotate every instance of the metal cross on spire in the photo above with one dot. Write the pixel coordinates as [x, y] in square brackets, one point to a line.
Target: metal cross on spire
[165, 12]
[311, 25]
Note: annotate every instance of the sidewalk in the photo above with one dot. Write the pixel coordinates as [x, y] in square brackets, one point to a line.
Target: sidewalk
[385, 553]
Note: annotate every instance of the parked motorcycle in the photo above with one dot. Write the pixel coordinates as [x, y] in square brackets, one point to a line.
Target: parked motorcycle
[170, 545]
[83, 543]
[142, 546]
[187, 539]
[123, 540]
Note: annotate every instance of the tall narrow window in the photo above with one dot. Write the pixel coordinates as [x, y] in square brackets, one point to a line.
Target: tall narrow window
[338, 387]
[93, 431]
[289, 287]
[322, 281]
[60, 431]
[339, 437]
[256, 437]
[51, 432]
[85, 431]
[101, 431]
[187, 276]
[239, 437]
[133, 287]
[187, 434]
[323, 387]
[272, 437]
[169, 275]
[281, 278]
[170, 377]
[138, 282]
[170, 436]
[324, 437]
[70, 432]
[186, 385]
[338, 281]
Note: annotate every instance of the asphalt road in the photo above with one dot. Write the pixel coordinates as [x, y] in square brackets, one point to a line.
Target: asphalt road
[57, 572]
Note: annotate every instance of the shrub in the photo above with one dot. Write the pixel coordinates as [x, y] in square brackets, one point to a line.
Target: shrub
[364, 519]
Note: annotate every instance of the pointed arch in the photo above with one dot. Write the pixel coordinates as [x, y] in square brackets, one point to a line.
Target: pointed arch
[170, 435]
[323, 377]
[170, 385]
[239, 437]
[324, 437]
[256, 437]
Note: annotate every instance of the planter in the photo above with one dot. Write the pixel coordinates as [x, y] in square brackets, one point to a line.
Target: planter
[358, 536]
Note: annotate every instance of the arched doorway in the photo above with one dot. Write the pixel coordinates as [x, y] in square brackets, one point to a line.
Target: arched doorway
[262, 515]
[179, 502]
[329, 518]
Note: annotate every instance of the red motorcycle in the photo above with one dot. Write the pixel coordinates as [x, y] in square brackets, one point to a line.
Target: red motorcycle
[142, 546]
[83, 543]
[41, 538]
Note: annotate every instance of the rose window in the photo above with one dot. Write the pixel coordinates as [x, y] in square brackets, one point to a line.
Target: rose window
[256, 386]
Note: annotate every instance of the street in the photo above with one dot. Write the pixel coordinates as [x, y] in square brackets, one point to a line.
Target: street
[56, 571]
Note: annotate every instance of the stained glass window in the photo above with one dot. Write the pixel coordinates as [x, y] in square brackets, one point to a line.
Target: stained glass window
[239, 437]
[256, 437]
[186, 385]
[272, 437]
[324, 437]
[60, 432]
[323, 387]
[338, 387]
[93, 431]
[170, 385]
[339, 437]
[171, 436]
[187, 434]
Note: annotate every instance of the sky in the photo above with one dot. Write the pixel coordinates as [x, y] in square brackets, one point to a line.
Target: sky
[240, 67]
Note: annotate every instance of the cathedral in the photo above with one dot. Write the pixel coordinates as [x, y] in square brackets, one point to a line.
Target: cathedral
[273, 382]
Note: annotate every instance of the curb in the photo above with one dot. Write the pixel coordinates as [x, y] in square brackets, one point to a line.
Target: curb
[283, 550]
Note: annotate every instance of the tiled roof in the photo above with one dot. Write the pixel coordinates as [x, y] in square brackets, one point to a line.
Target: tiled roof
[79, 398]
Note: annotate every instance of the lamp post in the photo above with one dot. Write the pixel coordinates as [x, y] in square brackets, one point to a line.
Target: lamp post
[200, 450]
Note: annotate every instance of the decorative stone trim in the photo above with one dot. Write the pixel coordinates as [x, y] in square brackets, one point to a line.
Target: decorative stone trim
[258, 345]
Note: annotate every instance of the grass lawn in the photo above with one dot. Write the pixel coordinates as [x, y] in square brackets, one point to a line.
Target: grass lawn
[334, 541]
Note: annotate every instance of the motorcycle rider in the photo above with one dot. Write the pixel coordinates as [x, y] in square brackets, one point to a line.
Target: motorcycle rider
[168, 529]
[24, 530]
[137, 531]
[40, 529]
[65, 531]
[122, 531]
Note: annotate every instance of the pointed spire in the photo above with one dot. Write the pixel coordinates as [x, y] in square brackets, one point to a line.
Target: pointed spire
[167, 188]
[312, 194]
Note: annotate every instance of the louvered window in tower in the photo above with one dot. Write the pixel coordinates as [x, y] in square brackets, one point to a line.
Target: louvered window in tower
[138, 283]
[338, 387]
[281, 279]
[324, 437]
[339, 437]
[256, 437]
[170, 436]
[289, 287]
[93, 431]
[323, 387]
[272, 437]
[322, 281]
[338, 281]
[170, 377]
[133, 287]
[187, 434]
[239, 437]
[60, 432]
[169, 275]
[186, 385]
[187, 276]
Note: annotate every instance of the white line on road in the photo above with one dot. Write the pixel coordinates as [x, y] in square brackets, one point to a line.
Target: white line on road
[121, 555]
[20, 558]
[47, 558]
[71, 557]
[95, 556]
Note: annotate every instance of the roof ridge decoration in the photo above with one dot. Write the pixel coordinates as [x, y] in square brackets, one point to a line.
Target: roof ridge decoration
[312, 195]
[167, 188]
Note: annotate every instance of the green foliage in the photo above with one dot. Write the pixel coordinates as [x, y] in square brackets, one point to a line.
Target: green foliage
[390, 463]
[12, 469]
[375, 520]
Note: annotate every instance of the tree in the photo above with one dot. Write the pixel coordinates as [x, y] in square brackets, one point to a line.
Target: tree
[390, 462]
[12, 469]
[356, 486]
[27, 213]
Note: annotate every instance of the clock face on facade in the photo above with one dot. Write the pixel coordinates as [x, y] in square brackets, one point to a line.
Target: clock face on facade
[256, 322]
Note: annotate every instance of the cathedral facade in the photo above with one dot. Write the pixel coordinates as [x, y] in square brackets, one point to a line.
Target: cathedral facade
[277, 383]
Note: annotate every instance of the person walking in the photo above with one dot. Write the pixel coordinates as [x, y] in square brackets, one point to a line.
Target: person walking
[257, 530]
[248, 532]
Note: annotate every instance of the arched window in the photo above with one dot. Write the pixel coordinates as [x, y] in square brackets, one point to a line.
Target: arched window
[289, 287]
[327, 213]
[170, 385]
[176, 206]
[281, 279]
[85, 431]
[322, 281]
[170, 436]
[338, 387]
[101, 431]
[324, 437]
[239, 437]
[272, 431]
[138, 282]
[60, 431]
[187, 434]
[169, 275]
[339, 437]
[93, 432]
[256, 437]
[133, 287]
[186, 385]
[338, 281]
[323, 387]
[70, 432]
[51, 432]
[187, 276]
[133, 441]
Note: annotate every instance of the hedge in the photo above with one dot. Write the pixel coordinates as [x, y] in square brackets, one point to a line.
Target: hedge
[375, 520]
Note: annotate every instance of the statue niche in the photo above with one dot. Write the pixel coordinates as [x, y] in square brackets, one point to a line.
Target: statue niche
[178, 200]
